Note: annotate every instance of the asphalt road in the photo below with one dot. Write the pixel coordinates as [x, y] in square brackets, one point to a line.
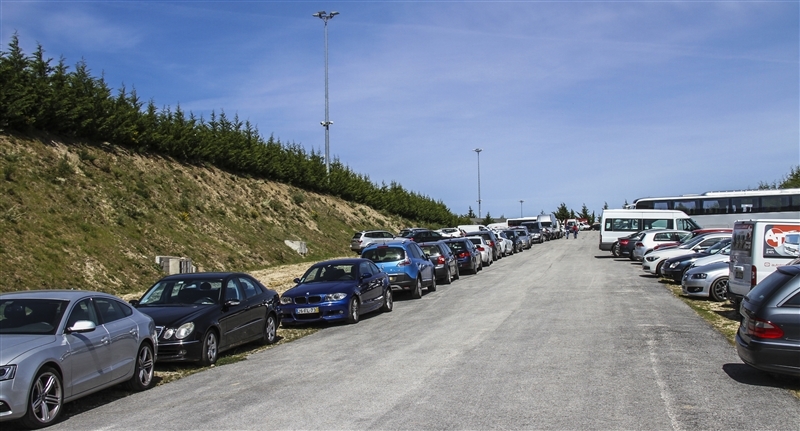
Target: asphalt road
[562, 336]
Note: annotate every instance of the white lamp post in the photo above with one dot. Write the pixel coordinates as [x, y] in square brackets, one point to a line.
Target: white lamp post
[478, 150]
[327, 123]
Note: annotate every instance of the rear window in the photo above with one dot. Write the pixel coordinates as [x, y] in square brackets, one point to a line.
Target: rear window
[357, 235]
[457, 246]
[742, 239]
[385, 254]
[431, 250]
[768, 286]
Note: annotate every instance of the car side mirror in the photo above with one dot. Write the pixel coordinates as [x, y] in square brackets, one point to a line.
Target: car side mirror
[82, 326]
[134, 302]
[365, 275]
[296, 281]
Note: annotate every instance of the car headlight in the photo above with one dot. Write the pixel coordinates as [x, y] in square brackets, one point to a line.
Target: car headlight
[182, 332]
[700, 276]
[674, 265]
[7, 372]
[334, 297]
[651, 258]
[286, 300]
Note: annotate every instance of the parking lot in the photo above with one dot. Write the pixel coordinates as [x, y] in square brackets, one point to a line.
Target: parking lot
[562, 336]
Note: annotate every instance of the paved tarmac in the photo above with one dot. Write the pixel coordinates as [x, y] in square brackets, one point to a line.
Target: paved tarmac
[559, 337]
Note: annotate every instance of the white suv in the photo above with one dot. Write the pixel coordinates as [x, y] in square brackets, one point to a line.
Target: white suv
[654, 237]
[366, 237]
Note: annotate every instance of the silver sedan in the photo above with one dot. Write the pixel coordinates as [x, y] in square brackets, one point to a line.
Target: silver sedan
[60, 345]
[708, 281]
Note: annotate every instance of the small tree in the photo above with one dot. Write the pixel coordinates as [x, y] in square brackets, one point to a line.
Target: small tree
[487, 220]
[470, 213]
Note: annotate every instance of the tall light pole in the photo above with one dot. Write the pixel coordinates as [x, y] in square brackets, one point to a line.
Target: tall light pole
[520, 207]
[478, 150]
[327, 123]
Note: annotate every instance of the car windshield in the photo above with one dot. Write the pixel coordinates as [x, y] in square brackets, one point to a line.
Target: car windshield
[31, 316]
[183, 292]
[692, 242]
[330, 272]
[716, 248]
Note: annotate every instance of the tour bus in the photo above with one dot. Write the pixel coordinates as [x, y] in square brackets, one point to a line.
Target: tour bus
[758, 247]
[723, 209]
[616, 223]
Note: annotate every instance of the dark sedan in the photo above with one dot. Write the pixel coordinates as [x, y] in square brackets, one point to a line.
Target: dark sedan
[337, 290]
[769, 332]
[444, 261]
[675, 267]
[199, 315]
[469, 258]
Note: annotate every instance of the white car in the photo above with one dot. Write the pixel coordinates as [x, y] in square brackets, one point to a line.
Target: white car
[483, 247]
[654, 260]
[654, 237]
[451, 232]
[505, 246]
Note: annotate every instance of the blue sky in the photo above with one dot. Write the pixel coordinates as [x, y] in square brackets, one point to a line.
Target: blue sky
[576, 102]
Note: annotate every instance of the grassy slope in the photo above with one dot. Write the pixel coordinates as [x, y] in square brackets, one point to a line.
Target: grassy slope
[95, 217]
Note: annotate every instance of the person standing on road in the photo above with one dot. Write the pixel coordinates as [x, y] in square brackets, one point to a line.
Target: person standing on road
[575, 231]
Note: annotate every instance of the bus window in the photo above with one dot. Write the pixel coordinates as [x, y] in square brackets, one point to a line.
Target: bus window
[771, 203]
[687, 206]
[744, 205]
[715, 206]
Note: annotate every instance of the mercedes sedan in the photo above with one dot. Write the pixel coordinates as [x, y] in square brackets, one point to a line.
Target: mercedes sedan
[199, 315]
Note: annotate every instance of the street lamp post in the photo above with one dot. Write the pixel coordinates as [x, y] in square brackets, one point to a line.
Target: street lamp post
[327, 123]
[478, 150]
[520, 207]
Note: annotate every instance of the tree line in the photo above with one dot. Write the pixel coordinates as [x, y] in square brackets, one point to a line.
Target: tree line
[37, 95]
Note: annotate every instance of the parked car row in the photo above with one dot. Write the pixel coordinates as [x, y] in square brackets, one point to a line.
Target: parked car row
[702, 262]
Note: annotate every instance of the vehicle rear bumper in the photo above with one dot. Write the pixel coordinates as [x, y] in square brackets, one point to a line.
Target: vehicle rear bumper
[770, 357]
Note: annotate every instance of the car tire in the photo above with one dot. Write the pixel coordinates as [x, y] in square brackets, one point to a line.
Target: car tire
[417, 292]
[353, 311]
[458, 274]
[615, 249]
[210, 351]
[388, 300]
[719, 289]
[448, 278]
[45, 400]
[270, 330]
[658, 268]
[143, 369]
[432, 287]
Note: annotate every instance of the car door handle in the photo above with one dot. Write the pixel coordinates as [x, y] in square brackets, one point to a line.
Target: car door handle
[134, 332]
[104, 340]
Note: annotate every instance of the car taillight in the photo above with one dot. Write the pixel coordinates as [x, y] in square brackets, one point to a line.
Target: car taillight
[639, 244]
[491, 243]
[440, 260]
[480, 248]
[463, 254]
[404, 262]
[623, 242]
[763, 329]
[753, 277]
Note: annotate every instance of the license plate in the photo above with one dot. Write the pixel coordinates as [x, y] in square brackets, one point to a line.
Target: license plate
[738, 273]
[308, 310]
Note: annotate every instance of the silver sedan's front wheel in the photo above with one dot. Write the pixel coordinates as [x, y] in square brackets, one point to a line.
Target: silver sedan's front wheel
[45, 400]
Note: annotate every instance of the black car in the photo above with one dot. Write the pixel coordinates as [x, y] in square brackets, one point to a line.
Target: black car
[469, 258]
[422, 235]
[675, 267]
[443, 259]
[199, 315]
[625, 245]
[768, 338]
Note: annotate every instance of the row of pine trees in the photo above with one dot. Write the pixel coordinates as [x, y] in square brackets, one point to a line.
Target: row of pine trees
[36, 95]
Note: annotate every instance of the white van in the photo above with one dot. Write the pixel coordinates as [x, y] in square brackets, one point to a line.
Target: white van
[615, 224]
[758, 247]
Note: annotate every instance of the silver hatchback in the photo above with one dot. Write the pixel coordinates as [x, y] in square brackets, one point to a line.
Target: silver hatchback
[60, 345]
